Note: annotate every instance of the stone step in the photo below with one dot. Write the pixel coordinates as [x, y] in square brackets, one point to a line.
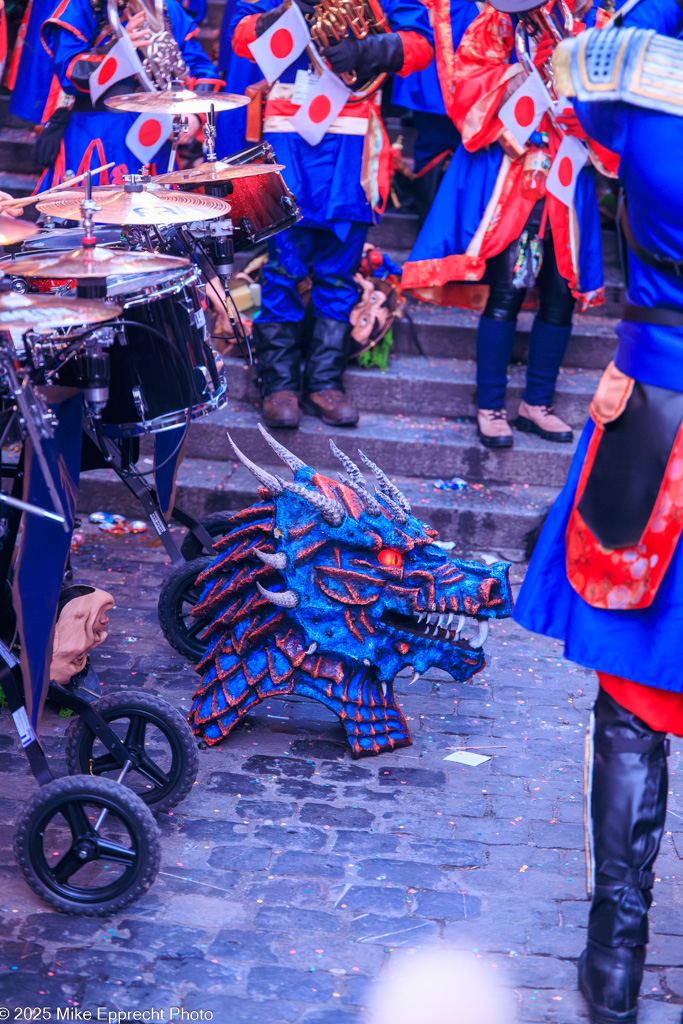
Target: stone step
[444, 331]
[395, 231]
[488, 518]
[17, 184]
[435, 387]
[421, 446]
[16, 147]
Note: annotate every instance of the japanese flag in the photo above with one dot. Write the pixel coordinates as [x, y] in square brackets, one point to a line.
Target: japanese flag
[281, 44]
[326, 98]
[522, 113]
[122, 61]
[147, 134]
[567, 165]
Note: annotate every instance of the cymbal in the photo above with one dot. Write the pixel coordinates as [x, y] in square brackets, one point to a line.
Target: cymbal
[152, 205]
[219, 170]
[78, 264]
[47, 312]
[176, 101]
[14, 229]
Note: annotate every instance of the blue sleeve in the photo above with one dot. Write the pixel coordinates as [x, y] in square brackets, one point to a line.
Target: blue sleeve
[243, 8]
[68, 36]
[408, 16]
[607, 123]
[198, 64]
[664, 16]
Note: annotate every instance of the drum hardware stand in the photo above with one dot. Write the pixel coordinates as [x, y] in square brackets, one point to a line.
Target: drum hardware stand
[210, 135]
[178, 123]
[118, 458]
[36, 420]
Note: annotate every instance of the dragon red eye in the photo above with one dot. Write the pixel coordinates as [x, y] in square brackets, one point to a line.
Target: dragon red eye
[390, 558]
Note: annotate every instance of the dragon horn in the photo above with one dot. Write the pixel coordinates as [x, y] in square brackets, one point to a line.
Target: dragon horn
[273, 483]
[331, 510]
[357, 481]
[283, 453]
[385, 484]
[277, 561]
[282, 598]
[398, 514]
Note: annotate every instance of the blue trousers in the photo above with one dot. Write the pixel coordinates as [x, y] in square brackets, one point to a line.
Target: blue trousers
[331, 263]
[498, 325]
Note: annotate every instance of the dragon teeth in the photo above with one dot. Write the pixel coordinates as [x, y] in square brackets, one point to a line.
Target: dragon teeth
[461, 625]
[414, 679]
[451, 616]
[480, 639]
[421, 616]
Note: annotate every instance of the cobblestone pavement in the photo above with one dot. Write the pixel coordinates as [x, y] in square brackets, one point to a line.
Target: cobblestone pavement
[292, 873]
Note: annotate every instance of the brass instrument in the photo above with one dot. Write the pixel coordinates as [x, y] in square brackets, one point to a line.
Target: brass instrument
[163, 66]
[334, 20]
[532, 25]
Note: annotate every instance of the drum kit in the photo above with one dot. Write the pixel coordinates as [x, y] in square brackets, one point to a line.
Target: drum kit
[117, 313]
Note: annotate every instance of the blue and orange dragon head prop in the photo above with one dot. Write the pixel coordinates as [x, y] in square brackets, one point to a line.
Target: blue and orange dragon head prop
[327, 591]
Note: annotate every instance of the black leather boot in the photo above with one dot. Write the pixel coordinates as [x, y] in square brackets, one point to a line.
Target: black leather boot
[328, 355]
[628, 808]
[278, 355]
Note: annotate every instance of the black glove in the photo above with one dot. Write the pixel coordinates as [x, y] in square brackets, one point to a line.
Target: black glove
[46, 146]
[367, 57]
[264, 21]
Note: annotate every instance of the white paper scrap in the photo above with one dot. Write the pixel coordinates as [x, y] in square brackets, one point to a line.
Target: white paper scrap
[467, 757]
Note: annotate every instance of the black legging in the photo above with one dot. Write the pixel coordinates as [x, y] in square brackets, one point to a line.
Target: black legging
[556, 302]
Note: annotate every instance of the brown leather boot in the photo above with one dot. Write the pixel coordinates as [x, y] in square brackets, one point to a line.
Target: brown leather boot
[281, 409]
[542, 420]
[332, 406]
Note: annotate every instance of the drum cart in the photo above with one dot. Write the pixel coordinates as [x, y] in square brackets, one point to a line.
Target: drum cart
[87, 843]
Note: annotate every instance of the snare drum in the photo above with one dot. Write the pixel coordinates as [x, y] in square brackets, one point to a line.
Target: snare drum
[163, 373]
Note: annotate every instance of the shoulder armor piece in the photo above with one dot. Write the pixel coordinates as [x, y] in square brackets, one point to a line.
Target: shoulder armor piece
[631, 65]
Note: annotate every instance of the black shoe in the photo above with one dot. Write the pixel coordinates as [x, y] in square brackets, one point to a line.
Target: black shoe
[609, 979]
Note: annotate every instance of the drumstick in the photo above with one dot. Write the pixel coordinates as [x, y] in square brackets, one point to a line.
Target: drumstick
[27, 200]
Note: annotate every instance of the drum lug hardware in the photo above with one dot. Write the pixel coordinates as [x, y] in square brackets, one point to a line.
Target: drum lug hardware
[208, 386]
[139, 402]
[220, 228]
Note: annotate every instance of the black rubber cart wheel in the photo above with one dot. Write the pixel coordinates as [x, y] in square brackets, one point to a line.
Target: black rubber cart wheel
[79, 863]
[216, 525]
[180, 594]
[159, 742]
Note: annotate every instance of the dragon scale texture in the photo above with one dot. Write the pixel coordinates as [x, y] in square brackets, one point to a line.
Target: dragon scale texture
[324, 591]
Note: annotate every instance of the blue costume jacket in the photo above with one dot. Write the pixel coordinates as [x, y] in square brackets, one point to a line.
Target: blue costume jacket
[94, 137]
[641, 644]
[422, 89]
[461, 211]
[34, 74]
[326, 177]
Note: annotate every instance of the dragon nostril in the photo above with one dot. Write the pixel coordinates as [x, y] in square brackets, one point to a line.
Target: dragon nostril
[489, 590]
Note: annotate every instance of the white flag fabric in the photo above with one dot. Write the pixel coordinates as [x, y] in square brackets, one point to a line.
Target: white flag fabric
[522, 113]
[564, 173]
[147, 134]
[326, 98]
[281, 44]
[122, 61]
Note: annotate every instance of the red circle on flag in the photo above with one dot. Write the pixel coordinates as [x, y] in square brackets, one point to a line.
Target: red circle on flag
[319, 109]
[525, 108]
[107, 71]
[149, 132]
[565, 172]
[281, 43]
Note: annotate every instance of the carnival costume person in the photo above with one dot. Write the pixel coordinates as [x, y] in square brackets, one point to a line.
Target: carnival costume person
[78, 37]
[487, 224]
[329, 239]
[607, 574]
[436, 137]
